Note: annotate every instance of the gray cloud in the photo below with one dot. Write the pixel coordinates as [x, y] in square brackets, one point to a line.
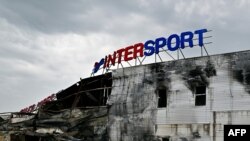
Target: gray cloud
[47, 45]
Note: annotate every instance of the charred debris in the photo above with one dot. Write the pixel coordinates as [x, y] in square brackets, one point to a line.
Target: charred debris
[78, 114]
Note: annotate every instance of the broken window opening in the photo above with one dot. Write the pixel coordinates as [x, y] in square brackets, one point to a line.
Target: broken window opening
[165, 139]
[162, 98]
[200, 96]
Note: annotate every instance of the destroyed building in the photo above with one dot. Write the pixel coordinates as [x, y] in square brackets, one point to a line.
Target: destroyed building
[181, 100]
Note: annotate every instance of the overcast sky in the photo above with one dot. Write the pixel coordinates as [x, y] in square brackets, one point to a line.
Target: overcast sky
[47, 45]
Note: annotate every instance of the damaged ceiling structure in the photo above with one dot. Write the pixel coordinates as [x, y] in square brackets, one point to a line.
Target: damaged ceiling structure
[181, 100]
[78, 113]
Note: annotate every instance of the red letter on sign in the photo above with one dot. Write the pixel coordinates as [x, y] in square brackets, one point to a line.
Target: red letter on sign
[128, 53]
[119, 54]
[138, 48]
[111, 59]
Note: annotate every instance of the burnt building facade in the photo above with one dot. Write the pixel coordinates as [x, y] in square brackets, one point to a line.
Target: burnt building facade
[181, 100]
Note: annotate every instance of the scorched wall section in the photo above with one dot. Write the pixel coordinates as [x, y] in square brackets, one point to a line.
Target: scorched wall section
[179, 100]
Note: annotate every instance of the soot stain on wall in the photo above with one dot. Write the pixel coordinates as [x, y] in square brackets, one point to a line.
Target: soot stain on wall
[138, 117]
[161, 76]
[137, 120]
[241, 70]
[198, 75]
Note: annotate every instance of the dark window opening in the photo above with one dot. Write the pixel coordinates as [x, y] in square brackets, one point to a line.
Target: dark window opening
[200, 100]
[165, 139]
[162, 98]
[200, 96]
[200, 90]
